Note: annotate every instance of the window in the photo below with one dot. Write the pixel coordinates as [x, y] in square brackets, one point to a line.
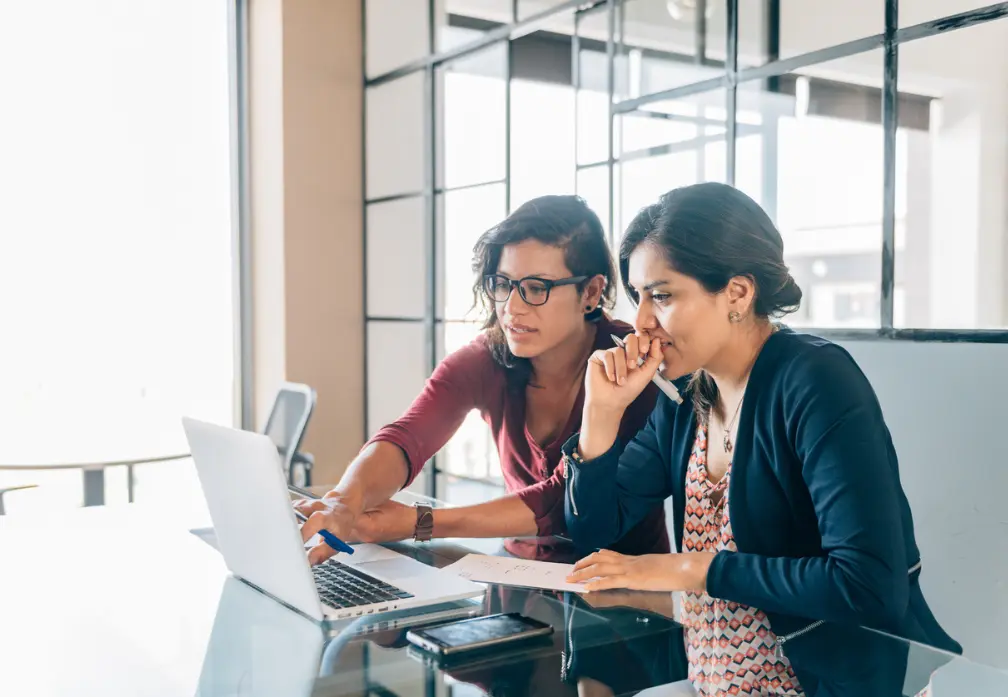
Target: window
[472, 452]
[542, 140]
[952, 267]
[892, 218]
[116, 239]
[829, 216]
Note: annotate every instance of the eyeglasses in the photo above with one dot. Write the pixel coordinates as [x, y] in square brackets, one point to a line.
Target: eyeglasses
[533, 290]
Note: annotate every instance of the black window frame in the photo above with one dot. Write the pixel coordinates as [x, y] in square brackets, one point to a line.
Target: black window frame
[537, 54]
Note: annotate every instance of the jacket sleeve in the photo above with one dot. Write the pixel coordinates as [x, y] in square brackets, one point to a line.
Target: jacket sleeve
[836, 428]
[608, 496]
[546, 498]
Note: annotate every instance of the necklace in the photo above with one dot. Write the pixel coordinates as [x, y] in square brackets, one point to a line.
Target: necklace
[727, 442]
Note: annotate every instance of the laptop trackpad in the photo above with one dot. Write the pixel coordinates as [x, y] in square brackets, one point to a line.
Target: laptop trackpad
[392, 569]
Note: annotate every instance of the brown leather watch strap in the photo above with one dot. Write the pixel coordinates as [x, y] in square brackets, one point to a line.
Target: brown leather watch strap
[424, 530]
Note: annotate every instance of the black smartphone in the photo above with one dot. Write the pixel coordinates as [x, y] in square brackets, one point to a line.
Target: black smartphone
[479, 633]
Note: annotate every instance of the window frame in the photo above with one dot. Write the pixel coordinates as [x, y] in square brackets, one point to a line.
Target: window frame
[537, 54]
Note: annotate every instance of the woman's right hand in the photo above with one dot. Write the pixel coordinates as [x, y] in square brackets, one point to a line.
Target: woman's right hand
[614, 380]
[332, 513]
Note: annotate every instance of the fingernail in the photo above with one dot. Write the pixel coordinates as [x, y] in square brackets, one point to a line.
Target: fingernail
[621, 380]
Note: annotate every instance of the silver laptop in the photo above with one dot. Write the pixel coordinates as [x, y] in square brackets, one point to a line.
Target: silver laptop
[258, 535]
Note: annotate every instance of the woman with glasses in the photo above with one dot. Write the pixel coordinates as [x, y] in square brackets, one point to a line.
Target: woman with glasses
[788, 511]
[544, 277]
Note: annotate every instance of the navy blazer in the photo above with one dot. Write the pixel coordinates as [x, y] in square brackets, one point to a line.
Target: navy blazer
[821, 522]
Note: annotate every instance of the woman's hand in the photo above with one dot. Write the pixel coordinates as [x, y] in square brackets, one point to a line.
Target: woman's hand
[390, 522]
[650, 572]
[332, 513]
[613, 380]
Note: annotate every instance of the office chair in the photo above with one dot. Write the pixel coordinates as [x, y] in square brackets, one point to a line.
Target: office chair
[286, 426]
[7, 490]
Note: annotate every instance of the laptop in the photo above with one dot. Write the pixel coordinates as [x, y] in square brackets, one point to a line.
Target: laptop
[258, 535]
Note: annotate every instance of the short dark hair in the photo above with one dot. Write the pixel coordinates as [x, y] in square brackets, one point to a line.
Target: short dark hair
[565, 222]
[713, 232]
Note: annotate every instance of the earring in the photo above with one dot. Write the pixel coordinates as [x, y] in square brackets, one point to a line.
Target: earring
[734, 317]
[588, 308]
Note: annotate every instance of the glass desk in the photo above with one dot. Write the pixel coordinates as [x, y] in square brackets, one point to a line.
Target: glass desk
[113, 601]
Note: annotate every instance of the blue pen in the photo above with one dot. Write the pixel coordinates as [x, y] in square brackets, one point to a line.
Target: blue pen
[330, 539]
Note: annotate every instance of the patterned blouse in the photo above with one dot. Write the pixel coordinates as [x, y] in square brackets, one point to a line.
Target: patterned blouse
[730, 646]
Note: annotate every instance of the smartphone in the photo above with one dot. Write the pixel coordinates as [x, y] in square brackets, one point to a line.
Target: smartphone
[479, 633]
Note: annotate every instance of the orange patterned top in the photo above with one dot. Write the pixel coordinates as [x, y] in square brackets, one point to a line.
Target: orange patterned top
[730, 646]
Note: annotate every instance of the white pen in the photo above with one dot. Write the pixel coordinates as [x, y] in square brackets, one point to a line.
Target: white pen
[664, 384]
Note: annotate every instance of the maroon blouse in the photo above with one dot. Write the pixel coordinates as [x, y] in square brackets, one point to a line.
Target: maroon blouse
[470, 379]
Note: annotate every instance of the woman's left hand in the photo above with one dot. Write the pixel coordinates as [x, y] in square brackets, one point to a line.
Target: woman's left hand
[650, 572]
[389, 522]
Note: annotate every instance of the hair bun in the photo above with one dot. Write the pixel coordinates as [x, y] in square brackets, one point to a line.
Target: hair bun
[713, 233]
[787, 299]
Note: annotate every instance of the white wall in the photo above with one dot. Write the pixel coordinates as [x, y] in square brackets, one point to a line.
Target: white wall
[943, 404]
[307, 256]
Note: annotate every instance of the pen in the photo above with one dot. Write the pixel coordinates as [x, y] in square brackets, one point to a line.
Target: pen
[663, 383]
[330, 539]
[303, 493]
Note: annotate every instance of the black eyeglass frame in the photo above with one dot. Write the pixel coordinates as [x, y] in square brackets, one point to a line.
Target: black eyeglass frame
[548, 283]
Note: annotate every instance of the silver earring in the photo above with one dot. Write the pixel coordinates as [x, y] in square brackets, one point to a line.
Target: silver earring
[734, 317]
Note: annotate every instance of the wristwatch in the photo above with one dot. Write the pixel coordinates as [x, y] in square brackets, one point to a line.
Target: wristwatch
[424, 530]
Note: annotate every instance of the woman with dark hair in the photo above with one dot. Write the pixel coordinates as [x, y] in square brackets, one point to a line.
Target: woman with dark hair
[789, 515]
[543, 277]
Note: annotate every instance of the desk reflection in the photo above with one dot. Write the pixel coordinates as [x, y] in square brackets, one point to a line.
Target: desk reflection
[259, 648]
[605, 644]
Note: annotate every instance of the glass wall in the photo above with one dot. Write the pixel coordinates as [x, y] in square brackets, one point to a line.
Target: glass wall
[873, 134]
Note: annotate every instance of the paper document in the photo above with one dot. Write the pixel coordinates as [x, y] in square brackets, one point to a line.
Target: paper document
[515, 572]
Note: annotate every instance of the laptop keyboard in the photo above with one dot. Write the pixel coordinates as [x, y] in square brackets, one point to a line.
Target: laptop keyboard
[342, 586]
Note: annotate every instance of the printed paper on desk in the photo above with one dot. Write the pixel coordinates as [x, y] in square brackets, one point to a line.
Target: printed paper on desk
[515, 572]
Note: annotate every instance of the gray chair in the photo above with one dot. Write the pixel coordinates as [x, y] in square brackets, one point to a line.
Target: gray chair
[286, 426]
[9, 489]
